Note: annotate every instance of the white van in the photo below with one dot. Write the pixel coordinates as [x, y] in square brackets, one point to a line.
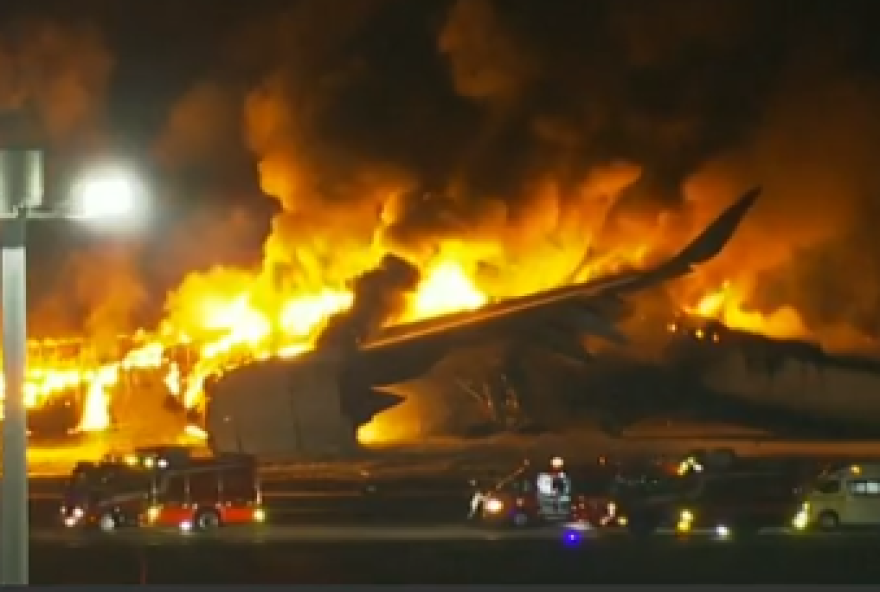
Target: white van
[849, 496]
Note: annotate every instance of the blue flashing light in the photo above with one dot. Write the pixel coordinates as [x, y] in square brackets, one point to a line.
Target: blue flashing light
[572, 538]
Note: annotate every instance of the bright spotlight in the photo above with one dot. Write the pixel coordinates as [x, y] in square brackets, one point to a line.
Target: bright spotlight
[106, 194]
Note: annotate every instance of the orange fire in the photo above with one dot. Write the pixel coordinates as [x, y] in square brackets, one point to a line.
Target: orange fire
[727, 304]
[223, 318]
[226, 329]
[233, 330]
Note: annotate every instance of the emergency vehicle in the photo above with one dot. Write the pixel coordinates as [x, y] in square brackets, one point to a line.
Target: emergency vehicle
[164, 487]
[529, 496]
[847, 496]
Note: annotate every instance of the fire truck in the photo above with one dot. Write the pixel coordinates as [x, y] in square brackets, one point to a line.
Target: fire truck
[164, 487]
[554, 494]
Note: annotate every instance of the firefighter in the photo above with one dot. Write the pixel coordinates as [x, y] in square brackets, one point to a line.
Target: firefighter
[553, 486]
[560, 479]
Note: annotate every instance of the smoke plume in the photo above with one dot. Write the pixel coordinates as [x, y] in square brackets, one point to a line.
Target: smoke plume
[538, 142]
[56, 75]
[203, 127]
[53, 81]
[800, 251]
[98, 293]
[379, 297]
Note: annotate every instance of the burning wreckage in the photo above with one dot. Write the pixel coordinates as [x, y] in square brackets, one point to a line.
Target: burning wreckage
[786, 386]
[513, 365]
[315, 404]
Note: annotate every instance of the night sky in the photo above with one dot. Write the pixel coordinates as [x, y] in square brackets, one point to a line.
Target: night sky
[473, 101]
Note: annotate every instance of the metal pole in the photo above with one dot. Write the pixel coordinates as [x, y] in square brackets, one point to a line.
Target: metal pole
[14, 531]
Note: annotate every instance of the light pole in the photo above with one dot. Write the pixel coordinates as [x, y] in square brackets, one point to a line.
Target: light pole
[21, 197]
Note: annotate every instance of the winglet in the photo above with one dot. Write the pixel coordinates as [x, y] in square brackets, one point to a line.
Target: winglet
[712, 240]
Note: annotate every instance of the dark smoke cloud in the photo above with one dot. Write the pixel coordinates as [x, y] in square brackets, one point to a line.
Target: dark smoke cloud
[98, 293]
[56, 75]
[486, 62]
[203, 127]
[210, 237]
[53, 82]
[379, 297]
[815, 155]
[406, 126]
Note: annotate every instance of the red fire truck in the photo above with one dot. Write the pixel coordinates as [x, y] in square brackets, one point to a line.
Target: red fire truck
[164, 487]
[554, 494]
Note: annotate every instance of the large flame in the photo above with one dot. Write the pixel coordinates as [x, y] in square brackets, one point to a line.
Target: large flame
[225, 324]
[222, 318]
[728, 304]
[232, 329]
[446, 289]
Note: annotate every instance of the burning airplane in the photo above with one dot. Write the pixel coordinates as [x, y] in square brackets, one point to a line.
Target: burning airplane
[314, 405]
[791, 386]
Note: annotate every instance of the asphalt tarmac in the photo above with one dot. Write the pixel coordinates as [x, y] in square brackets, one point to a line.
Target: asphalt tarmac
[453, 554]
[353, 533]
[418, 537]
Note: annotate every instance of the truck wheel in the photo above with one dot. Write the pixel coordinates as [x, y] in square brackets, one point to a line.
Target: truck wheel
[207, 520]
[107, 523]
[828, 521]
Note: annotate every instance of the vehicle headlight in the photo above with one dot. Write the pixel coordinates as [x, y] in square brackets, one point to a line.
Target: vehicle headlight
[153, 513]
[78, 513]
[801, 520]
[259, 515]
[494, 505]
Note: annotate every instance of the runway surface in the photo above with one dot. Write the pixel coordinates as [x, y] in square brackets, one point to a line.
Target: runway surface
[326, 528]
[451, 554]
[306, 533]
[268, 534]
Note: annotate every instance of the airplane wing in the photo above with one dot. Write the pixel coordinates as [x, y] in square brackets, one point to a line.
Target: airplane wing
[555, 319]
[703, 248]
